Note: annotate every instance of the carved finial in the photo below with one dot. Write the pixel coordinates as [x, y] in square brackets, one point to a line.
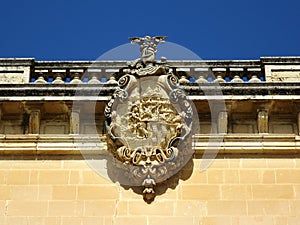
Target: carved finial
[148, 46]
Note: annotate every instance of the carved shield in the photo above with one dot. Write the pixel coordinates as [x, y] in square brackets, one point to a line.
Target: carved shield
[149, 124]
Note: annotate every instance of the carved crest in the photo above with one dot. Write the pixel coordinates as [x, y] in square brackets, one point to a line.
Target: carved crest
[149, 123]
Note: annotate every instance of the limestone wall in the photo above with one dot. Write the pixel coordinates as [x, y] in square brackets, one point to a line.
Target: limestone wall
[232, 191]
[255, 179]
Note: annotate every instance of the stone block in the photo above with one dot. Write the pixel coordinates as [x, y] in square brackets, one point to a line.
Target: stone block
[156, 208]
[253, 163]
[21, 192]
[17, 177]
[66, 208]
[170, 194]
[2, 176]
[295, 208]
[27, 208]
[288, 176]
[279, 220]
[97, 192]
[121, 208]
[2, 208]
[235, 163]
[273, 192]
[293, 220]
[93, 221]
[297, 191]
[92, 177]
[281, 163]
[5, 192]
[236, 192]
[129, 194]
[215, 220]
[268, 207]
[254, 220]
[41, 220]
[130, 220]
[100, 208]
[53, 177]
[34, 177]
[71, 221]
[227, 208]
[173, 220]
[75, 177]
[192, 208]
[197, 176]
[250, 176]
[75, 164]
[219, 164]
[45, 192]
[16, 220]
[215, 176]
[297, 161]
[200, 192]
[52, 221]
[231, 176]
[64, 192]
[268, 177]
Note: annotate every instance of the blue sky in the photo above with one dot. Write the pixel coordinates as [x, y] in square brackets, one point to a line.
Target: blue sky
[84, 30]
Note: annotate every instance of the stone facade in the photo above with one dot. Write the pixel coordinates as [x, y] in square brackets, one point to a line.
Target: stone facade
[254, 178]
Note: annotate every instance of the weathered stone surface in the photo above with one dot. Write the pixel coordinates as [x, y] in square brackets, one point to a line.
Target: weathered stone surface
[45, 180]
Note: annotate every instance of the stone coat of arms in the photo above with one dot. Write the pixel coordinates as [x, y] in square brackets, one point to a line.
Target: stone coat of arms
[149, 121]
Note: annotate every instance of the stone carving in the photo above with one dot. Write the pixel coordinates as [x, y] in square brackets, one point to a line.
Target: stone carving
[148, 46]
[149, 122]
[262, 121]
[146, 65]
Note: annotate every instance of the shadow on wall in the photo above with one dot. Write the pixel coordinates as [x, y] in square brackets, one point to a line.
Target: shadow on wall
[117, 175]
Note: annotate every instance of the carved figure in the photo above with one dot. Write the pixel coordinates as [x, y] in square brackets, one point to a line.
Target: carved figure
[148, 46]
